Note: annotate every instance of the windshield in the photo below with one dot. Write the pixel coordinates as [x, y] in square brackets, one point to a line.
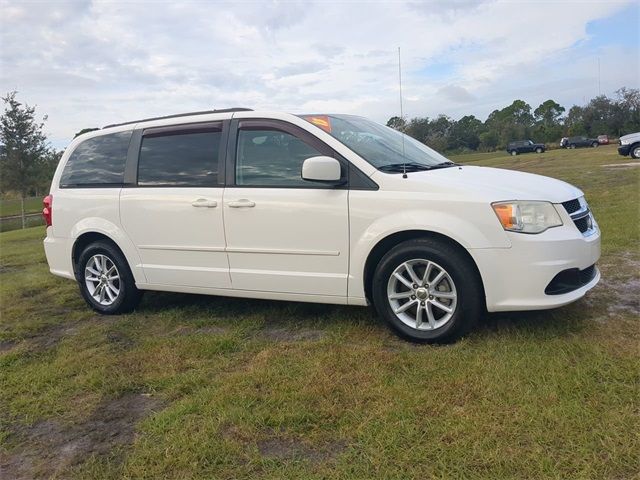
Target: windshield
[379, 145]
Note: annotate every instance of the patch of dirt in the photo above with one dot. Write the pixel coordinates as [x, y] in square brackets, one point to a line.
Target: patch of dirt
[619, 286]
[7, 269]
[120, 341]
[624, 295]
[186, 330]
[48, 448]
[51, 335]
[280, 447]
[279, 334]
[289, 449]
[6, 345]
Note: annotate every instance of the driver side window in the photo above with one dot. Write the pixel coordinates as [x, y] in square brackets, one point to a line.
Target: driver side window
[268, 157]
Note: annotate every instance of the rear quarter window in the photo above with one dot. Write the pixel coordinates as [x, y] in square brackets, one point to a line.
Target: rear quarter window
[98, 161]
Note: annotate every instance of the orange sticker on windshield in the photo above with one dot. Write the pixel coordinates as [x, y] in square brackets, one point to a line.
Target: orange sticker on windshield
[321, 121]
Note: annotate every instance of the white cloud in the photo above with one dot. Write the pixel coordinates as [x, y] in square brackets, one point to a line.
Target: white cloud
[92, 63]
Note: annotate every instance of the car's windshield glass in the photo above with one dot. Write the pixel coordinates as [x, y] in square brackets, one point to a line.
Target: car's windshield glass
[379, 145]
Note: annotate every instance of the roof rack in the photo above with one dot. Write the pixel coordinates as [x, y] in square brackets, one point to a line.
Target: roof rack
[177, 115]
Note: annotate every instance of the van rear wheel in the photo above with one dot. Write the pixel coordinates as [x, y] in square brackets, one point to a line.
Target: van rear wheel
[427, 291]
[105, 279]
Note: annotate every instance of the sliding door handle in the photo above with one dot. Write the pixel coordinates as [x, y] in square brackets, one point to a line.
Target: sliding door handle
[204, 203]
[243, 203]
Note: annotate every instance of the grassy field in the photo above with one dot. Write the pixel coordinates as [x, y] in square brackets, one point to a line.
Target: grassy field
[204, 387]
[12, 206]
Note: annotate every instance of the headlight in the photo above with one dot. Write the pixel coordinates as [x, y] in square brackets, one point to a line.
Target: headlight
[624, 142]
[527, 216]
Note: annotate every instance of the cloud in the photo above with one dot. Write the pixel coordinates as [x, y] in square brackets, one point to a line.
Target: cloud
[456, 94]
[90, 63]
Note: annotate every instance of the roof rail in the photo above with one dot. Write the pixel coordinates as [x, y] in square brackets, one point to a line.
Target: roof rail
[177, 115]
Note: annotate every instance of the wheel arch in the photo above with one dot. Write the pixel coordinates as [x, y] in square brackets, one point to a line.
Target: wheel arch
[86, 239]
[394, 239]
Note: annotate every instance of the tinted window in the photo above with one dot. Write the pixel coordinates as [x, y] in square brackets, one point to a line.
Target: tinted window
[269, 157]
[181, 159]
[97, 161]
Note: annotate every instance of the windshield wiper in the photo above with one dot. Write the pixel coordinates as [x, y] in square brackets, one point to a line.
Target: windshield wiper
[446, 164]
[413, 167]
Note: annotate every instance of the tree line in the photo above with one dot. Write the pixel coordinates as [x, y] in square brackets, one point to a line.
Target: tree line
[548, 123]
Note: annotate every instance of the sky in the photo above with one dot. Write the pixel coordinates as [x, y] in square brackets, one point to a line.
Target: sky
[92, 63]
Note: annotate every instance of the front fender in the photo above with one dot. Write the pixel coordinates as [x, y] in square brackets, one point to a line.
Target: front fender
[483, 232]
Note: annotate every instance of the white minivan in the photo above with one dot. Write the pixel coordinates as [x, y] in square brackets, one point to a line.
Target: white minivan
[314, 208]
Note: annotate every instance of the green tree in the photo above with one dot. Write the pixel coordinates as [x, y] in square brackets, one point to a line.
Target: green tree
[25, 147]
[574, 122]
[514, 122]
[548, 125]
[465, 133]
[629, 108]
[398, 123]
[85, 130]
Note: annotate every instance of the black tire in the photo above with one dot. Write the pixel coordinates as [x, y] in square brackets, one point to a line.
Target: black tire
[572, 146]
[634, 152]
[595, 144]
[513, 153]
[468, 286]
[539, 150]
[128, 297]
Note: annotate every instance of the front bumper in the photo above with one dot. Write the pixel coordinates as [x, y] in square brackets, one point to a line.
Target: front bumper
[624, 150]
[516, 278]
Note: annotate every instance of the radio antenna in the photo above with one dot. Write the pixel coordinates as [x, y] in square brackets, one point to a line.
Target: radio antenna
[404, 158]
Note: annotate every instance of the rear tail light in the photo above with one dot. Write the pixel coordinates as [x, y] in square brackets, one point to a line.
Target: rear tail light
[48, 209]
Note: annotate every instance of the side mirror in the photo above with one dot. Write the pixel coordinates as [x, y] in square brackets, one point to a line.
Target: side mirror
[321, 169]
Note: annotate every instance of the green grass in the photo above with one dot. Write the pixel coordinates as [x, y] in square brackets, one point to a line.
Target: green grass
[12, 206]
[239, 388]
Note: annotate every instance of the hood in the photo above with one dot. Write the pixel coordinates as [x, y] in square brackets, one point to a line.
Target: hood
[629, 136]
[491, 184]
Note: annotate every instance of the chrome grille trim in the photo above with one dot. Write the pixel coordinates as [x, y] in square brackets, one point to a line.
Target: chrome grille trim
[582, 217]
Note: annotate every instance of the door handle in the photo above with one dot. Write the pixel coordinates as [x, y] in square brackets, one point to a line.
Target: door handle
[203, 202]
[242, 203]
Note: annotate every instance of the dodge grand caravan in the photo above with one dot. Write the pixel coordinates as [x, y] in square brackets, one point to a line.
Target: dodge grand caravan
[316, 208]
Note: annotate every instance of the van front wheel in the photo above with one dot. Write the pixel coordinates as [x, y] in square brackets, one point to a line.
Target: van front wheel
[105, 280]
[427, 291]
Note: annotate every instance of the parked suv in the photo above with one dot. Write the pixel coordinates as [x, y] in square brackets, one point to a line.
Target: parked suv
[630, 145]
[578, 142]
[315, 208]
[525, 146]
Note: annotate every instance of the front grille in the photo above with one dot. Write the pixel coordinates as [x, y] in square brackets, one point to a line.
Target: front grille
[583, 224]
[571, 206]
[581, 215]
[570, 280]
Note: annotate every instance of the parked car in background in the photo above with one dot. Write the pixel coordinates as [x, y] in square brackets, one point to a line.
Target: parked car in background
[578, 142]
[316, 208]
[525, 146]
[630, 145]
[603, 139]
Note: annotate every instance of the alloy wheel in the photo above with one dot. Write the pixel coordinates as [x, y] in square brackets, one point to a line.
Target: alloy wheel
[102, 279]
[422, 294]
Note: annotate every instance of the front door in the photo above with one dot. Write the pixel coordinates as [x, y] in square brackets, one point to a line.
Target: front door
[284, 234]
[173, 214]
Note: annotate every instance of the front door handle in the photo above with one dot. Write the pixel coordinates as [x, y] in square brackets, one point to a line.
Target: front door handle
[203, 202]
[243, 203]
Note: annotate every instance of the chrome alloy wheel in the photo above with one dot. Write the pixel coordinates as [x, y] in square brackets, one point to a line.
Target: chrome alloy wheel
[422, 294]
[102, 279]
